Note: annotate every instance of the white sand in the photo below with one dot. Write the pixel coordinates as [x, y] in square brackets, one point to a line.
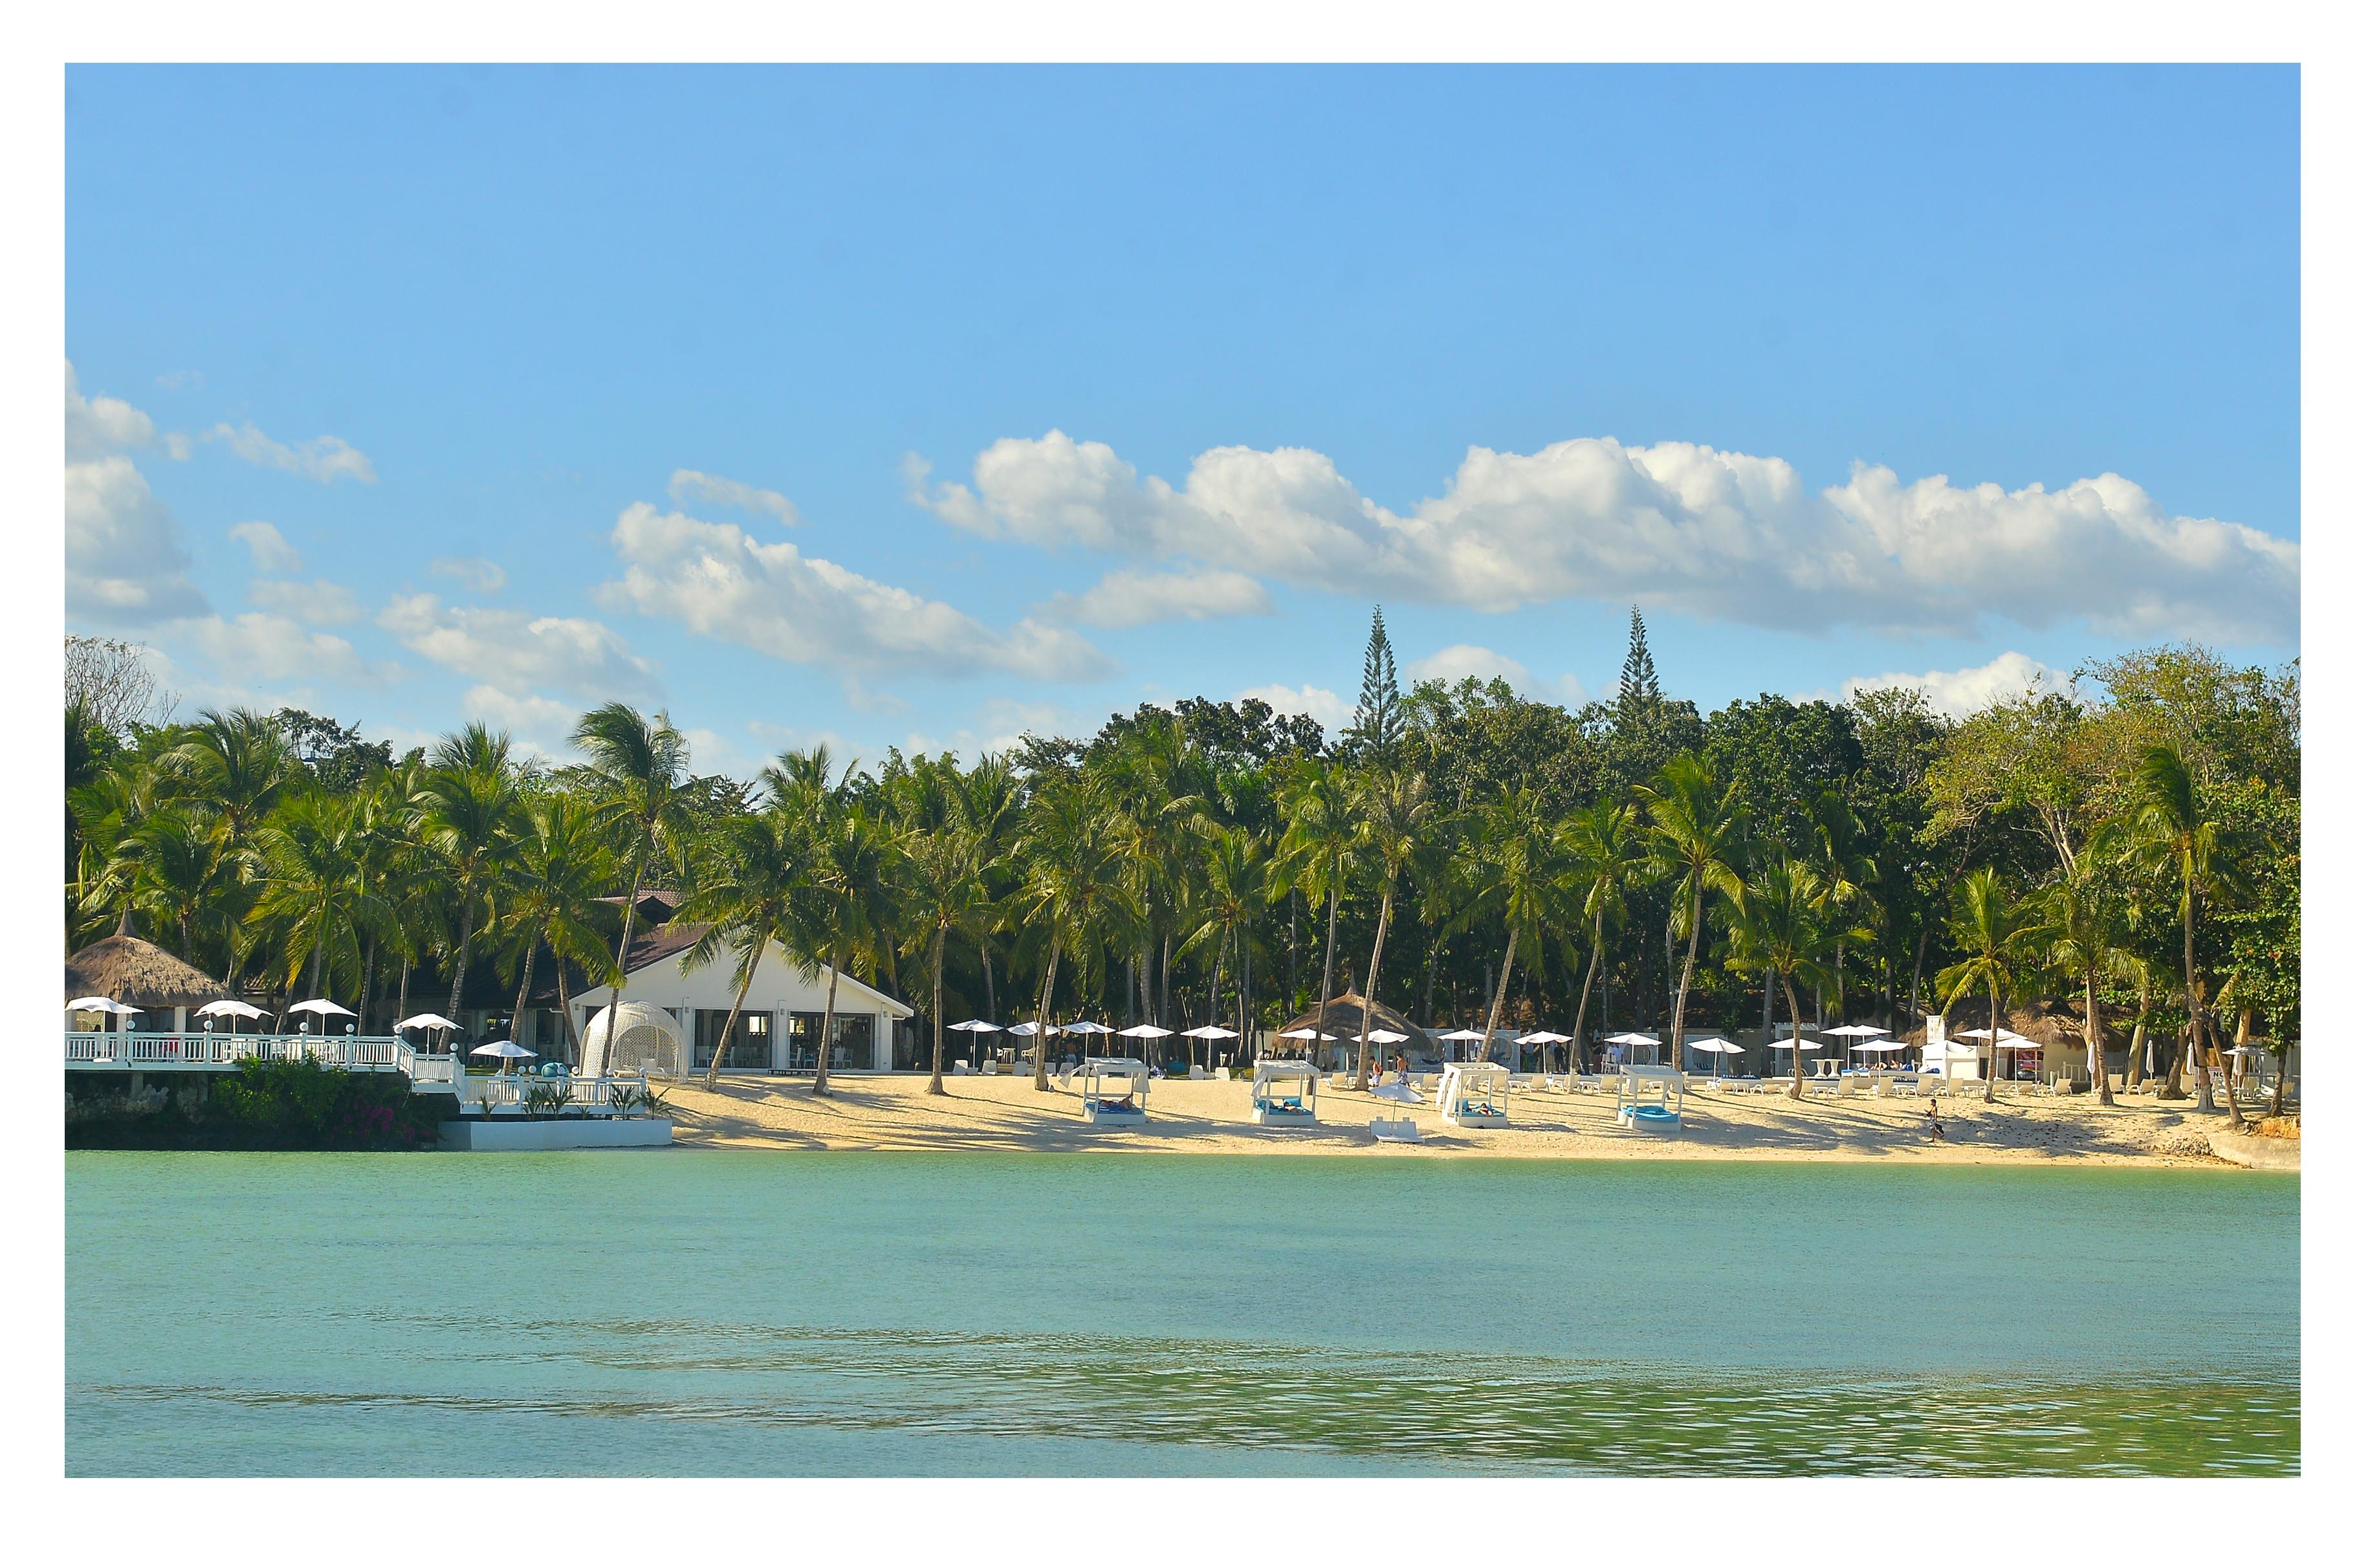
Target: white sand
[1213, 1117]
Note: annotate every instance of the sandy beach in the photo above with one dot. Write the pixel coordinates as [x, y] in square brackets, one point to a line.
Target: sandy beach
[1190, 1117]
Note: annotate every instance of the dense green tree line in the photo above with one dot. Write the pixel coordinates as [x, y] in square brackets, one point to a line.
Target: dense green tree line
[1460, 852]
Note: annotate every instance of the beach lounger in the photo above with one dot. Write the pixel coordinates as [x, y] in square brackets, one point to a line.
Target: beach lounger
[1395, 1129]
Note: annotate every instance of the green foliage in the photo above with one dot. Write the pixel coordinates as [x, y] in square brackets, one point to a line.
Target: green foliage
[1378, 727]
[278, 1104]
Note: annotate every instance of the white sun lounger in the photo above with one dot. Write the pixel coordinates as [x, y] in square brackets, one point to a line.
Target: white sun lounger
[1397, 1129]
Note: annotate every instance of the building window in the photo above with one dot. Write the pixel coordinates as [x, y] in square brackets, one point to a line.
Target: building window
[853, 1051]
[751, 1049]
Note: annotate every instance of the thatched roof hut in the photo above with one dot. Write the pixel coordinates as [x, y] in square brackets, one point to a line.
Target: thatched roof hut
[1344, 1015]
[138, 972]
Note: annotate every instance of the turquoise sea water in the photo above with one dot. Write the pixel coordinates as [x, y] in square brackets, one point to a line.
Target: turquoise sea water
[697, 1312]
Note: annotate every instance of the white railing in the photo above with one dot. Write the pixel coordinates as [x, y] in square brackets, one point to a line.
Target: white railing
[363, 1054]
[508, 1091]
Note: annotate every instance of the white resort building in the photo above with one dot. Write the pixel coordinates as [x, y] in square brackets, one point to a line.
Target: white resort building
[780, 1023]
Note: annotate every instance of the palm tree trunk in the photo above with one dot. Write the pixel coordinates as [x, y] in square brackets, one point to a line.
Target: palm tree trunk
[938, 1014]
[1044, 1017]
[461, 959]
[402, 991]
[1167, 966]
[567, 1012]
[1989, 1087]
[2130, 1068]
[369, 975]
[2097, 1047]
[2278, 1105]
[1496, 1004]
[1373, 980]
[1686, 981]
[829, 1029]
[1216, 970]
[731, 1020]
[526, 980]
[986, 967]
[1578, 1023]
[1792, 1002]
[1331, 936]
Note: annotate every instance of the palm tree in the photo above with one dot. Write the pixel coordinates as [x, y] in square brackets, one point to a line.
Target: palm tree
[2078, 931]
[471, 808]
[1394, 819]
[639, 771]
[1070, 853]
[1984, 923]
[312, 897]
[1779, 921]
[2171, 833]
[1600, 843]
[1525, 880]
[551, 891]
[1318, 852]
[844, 920]
[1696, 834]
[754, 870]
[174, 870]
[1231, 887]
[944, 895]
[234, 766]
[1845, 871]
[990, 805]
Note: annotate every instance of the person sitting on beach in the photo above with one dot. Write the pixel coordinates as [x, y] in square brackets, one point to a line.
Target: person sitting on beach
[1932, 1120]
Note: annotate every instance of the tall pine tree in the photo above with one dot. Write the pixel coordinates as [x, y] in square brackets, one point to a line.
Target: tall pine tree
[1378, 724]
[1640, 687]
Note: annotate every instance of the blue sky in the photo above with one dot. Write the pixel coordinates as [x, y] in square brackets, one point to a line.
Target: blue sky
[925, 406]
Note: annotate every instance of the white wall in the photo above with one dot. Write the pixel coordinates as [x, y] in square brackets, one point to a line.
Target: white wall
[777, 991]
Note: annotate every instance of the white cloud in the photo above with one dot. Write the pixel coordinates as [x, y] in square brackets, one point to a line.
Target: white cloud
[124, 560]
[257, 648]
[539, 721]
[1960, 692]
[1721, 535]
[100, 426]
[473, 572]
[718, 582]
[319, 602]
[1324, 706]
[269, 548]
[1451, 663]
[688, 484]
[324, 458]
[510, 651]
[1126, 598]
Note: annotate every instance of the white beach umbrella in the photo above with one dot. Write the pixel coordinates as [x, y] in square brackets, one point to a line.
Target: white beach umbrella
[1717, 1048]
[1213, 1033]
[322, 1007]
[230, 1007]
[1857, 1031]
[1631, 1037]
[508, 1050]
[107, 1004]
[975, 1027]
[1387, 1036]
[425, 1021]
[1304, 1032]
[1029, 1028]
[1145, 1032]
[1544, 1037]
[1875, 1047]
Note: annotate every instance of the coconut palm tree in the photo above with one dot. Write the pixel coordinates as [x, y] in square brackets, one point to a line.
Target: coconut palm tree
[941, 885]
[2076, 930]
[1070, 854]
[2171, 833]
[312, 899]
[1318, 852]
[1394, 821]
[1230, 889]
[845, 921]
[552, 885]
[639, 771]
[1987, 927]
[1779, 921]
[1600, 844]
[754, 870]
[1695, 833]
[1525, 880]
[1845, 871]
[470, 808]
[174, 870]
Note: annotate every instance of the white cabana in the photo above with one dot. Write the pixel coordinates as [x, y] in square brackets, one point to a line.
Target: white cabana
[1663, 1087]
[1476, 1094]
[1113, 1091]
[1282, 1093]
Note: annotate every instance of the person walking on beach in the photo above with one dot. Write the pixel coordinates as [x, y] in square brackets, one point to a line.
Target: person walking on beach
[1932, 1120]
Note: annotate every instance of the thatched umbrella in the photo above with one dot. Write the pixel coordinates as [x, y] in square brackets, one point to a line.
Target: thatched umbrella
[1344, 1017]
[140, 972]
